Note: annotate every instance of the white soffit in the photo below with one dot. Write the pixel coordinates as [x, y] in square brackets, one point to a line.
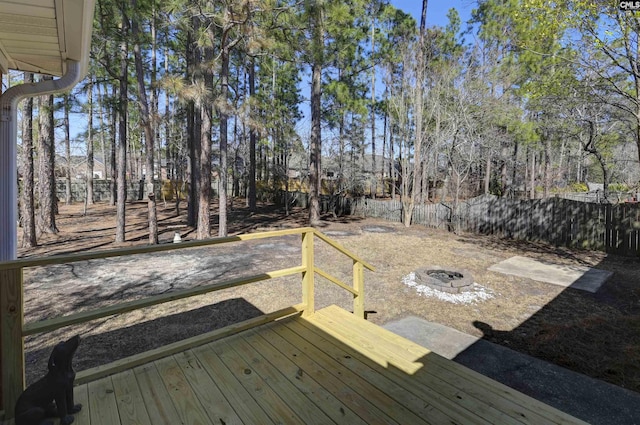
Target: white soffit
[40, 35]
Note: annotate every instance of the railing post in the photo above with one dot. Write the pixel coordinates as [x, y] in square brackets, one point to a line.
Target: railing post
[358, 286]
[11, 343]
[308, 274]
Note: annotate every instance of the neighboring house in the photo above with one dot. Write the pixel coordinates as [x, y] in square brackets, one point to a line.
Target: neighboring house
[331, 166]
[79, 167]
[595, 187]
[299, 166]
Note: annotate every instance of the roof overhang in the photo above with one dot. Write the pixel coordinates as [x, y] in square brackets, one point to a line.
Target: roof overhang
[40, 35]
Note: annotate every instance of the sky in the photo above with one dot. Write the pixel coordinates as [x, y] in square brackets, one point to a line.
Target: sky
[436, 10]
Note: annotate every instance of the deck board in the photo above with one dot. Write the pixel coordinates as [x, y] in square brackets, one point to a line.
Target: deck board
[155, 395]
[454, 408]
[329, 376]
[356, 383]
[182, 395]
[129, 399]
[209, 394]
[306, 384]
[81, 396]
[303, 407]
[103, 408]
[375, 375]
[328, 368]
[246, 406]
[274, 406]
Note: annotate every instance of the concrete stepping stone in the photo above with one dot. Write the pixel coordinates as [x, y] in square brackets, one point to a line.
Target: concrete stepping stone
[570, 276]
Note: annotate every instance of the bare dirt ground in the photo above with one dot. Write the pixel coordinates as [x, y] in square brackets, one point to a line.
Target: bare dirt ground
[595, 334]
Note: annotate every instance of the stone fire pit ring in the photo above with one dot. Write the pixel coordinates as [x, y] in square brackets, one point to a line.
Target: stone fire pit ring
[447, 279]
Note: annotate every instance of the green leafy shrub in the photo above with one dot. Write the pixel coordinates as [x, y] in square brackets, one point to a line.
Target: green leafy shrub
[578, 187]
[618, 187]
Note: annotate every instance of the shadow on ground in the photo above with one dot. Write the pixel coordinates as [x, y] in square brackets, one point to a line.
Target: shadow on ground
[594, 334]
[568, 330]
[109, 346]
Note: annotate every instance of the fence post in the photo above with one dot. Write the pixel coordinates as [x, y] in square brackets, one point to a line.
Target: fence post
[358, 285]
[11, 343]
[308, 274]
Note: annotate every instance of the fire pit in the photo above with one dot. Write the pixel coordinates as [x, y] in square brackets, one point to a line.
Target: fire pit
[447, 279]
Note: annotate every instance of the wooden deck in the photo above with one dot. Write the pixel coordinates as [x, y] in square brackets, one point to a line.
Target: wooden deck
[328, 368]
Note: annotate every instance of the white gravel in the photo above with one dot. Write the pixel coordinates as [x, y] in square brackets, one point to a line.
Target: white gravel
[473, 295]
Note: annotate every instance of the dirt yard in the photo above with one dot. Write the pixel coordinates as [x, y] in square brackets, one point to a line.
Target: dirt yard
[595, 334]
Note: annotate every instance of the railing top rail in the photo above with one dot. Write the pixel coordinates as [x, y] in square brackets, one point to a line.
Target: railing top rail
[95, 255]
[344, 250]
[120, 252]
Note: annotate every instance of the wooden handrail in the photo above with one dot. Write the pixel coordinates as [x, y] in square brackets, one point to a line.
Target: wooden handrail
[343, 250]
[335, 280]
[13, 329]
[85, 316]
[119, 252]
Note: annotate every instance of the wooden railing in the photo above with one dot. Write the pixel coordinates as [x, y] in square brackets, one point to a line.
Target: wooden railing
[13, 329]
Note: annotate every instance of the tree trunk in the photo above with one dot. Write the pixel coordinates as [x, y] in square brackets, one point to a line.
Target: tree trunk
[149, 134]
[154, 94]
[503, 170]
[46, 169]
[122, 131]
[315, 144]
[392, 164]
[605, 173]
[191, 167]
[28, 205]
[547, 165]
[252, 140]
[579, 165]
[193, 134]
[487, 176]
[514, 171]
[341, 148]
[67, 151]
[424, 181]
[423, 16]
[532, 188]
[177, 183]
[417, 157]
[374, 180]
[315, 147]
[102, 133]
[112, 151]
[135, 167]
[445, 185]
[224, 117]
[90, 161]
[204, 201]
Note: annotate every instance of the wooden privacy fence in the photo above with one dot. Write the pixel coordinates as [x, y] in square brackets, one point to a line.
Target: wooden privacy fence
[613, 228]
[13, 329]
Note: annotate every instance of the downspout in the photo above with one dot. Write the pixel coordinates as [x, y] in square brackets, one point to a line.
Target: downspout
[8, 150]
